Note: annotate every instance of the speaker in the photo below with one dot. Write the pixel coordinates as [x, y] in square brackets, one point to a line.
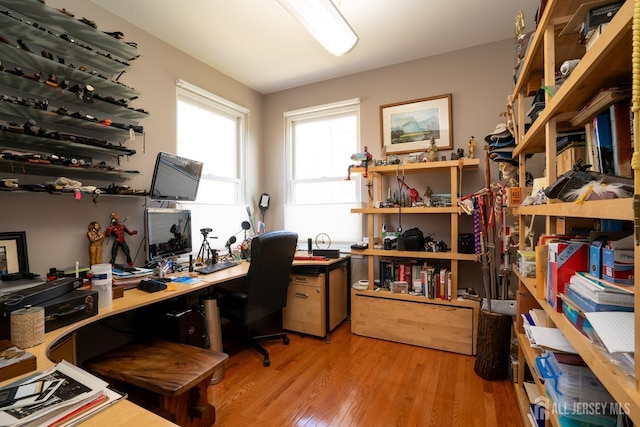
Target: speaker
[309, 248]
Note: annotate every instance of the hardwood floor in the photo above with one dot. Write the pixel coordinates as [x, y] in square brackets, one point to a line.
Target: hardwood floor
[358, 381]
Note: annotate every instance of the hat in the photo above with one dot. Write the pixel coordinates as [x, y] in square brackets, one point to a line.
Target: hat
[502, 143]
[499, 133]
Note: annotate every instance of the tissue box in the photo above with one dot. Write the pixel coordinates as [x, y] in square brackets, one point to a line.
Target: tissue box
[617, 265]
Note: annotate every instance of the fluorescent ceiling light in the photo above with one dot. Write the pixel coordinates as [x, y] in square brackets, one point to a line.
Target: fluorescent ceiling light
[325, 22]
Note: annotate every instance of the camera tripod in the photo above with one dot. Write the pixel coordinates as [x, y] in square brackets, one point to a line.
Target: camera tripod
[206, 255]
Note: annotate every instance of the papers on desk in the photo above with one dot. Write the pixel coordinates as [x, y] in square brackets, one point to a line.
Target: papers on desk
[54, 397]
[615, 329]
[551, 339]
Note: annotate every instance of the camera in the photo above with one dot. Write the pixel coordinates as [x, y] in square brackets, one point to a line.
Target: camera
[206, 231]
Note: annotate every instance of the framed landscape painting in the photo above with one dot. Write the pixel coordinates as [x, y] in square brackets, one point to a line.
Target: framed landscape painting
[409, 126]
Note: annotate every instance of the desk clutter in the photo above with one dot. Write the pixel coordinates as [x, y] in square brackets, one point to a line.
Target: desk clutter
[27, 314]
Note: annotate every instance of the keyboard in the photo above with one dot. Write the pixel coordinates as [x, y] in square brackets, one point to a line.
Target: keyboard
[208, 269]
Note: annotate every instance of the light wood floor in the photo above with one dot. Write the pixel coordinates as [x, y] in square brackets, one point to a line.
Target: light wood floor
[357, 381]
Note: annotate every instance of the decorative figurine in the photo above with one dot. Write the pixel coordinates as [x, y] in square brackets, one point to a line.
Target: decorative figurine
[427, 196]
[96, 239]
[459, 154]
[472, 147]
[118, 229]
[432, 151]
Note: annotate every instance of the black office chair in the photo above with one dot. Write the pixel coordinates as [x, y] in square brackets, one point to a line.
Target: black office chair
[264, 290]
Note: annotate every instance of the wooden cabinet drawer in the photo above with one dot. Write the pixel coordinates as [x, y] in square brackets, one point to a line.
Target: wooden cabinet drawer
[425, 324]
[305, 310]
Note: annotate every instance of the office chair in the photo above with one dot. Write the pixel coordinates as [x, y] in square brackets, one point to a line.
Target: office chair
[264, 290]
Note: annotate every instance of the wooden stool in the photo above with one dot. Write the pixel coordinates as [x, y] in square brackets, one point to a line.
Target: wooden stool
[168, 378]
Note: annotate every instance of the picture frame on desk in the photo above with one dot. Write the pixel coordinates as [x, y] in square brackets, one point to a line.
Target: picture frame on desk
[408, 126]
[13, 252]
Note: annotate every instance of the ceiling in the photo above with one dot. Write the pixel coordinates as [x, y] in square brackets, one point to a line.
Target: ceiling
[258, 43]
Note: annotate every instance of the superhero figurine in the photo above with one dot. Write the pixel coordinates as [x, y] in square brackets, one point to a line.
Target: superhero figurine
[118, 229]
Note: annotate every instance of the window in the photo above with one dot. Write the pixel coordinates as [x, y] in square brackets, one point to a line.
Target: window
[320, 142]
[212, 130]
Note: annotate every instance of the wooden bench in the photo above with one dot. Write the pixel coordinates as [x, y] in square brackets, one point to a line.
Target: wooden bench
[168, 378]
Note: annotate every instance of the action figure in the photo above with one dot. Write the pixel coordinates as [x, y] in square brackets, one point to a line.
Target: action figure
[118, 229]
[364, 158]
[96, 238]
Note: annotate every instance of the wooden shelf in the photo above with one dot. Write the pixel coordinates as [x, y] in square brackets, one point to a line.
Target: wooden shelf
[611, 209]
[607, 63]
[408, 211]
[416, 254]
[411, 318]
[419, 299]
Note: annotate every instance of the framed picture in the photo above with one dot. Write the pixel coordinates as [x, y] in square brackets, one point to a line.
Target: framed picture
[408, 126]
[13, 252]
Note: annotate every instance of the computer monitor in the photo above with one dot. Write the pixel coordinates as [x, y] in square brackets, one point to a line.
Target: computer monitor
[175, 178]
[167, 233]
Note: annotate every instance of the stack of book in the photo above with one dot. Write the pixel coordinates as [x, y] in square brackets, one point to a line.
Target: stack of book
[586, 293]
[131, 277]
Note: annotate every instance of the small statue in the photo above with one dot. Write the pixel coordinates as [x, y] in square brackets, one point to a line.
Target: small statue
[427, 196]
[118, 229]
[96, 238]
[432, 151]
[472, 147]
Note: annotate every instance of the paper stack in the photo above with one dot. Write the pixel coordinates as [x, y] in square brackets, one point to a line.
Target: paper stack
[57, 397]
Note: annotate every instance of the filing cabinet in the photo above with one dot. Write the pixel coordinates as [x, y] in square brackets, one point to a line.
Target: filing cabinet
[308, 309]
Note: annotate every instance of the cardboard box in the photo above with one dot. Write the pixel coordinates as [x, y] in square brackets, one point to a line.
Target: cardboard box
[516, 195]
[542, 266]
[617, 265]
[573, 226]
[565, 258]
[568, 158]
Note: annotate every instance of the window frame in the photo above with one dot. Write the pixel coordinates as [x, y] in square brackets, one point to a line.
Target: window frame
[187, 92]
[317, 112]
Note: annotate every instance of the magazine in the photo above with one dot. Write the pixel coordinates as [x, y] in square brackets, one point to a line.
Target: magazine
[48, 397]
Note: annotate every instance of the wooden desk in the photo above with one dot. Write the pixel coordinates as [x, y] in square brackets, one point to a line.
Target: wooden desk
[124, 413]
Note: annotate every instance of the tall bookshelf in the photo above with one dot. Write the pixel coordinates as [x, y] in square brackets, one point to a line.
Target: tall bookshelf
[415, 319]
[606, 63]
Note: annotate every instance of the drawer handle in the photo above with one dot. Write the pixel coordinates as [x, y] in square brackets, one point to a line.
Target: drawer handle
[301, 280]
[301, 295]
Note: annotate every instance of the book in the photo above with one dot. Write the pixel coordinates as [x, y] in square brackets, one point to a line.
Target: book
[598, 296]
[587, 305]
[621, 123]
[539, 316]
[603, 285]
[603, 142]
[599, 102]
